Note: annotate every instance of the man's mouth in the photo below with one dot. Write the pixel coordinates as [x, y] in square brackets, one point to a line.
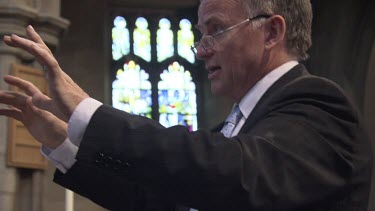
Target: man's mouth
[212, 71]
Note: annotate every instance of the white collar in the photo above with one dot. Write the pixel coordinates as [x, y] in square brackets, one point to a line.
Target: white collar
[252, 97]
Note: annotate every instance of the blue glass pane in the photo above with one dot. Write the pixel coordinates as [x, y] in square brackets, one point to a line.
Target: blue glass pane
[120, 38]
[185, 38]
[164, 40]
[131, 91]
[177, 98]
[142, 39]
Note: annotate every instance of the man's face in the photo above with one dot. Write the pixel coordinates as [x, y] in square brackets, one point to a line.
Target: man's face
[234, 62]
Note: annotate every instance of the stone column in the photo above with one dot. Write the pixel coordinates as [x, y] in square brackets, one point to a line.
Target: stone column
[15, 15]
[7, 175]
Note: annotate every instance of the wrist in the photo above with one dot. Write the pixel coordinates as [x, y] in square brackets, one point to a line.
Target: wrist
[57, 135]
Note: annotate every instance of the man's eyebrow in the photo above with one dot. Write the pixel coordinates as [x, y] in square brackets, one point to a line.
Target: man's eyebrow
[209, 20]
[200, 27]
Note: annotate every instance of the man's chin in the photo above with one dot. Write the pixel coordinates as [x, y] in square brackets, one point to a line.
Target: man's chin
[217, 90]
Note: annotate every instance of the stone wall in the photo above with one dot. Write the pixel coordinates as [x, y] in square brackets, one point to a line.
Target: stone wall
[20, 189]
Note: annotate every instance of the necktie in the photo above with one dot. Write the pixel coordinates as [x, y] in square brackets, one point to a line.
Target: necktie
[231, 122]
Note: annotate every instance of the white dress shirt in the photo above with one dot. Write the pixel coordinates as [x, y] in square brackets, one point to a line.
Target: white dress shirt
[63, 157]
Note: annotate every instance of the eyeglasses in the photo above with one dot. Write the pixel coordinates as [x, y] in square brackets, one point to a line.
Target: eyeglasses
[208, 41]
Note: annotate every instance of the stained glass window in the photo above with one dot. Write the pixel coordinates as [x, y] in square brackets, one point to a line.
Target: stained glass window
[177, 97]
[185, 40]
[146, 86]
[131, 91]
[142, 39]
[164, 40]
[120, 38]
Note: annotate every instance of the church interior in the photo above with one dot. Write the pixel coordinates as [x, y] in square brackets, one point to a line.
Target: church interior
[81, 36]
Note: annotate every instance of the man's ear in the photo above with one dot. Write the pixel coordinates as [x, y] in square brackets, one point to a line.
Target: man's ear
[275, 31]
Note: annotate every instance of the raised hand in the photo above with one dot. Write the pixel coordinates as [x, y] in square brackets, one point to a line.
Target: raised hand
[42, 125]
[65, 93]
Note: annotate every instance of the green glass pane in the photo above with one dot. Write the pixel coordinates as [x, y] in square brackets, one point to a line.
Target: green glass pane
[177, 97]
[120, 38]
[164, 40]
[142, 37]
[131, 91]
[185, 38]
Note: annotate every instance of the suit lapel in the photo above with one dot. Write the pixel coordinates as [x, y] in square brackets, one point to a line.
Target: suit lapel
[261, 107]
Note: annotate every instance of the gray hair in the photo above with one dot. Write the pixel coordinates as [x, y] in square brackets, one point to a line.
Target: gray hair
[298, 18]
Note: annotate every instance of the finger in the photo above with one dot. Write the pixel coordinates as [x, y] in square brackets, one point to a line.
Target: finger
[26, 86]
[41, 52]
[7, 39]
[38, 48]
[17, 41]
[23, 43]
[34, 36]
[20, 42]
[15, 99]
[12, 113]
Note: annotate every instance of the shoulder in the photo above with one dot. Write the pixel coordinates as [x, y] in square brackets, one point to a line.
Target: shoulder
[314, 91]
[314, 83]
[316, 102]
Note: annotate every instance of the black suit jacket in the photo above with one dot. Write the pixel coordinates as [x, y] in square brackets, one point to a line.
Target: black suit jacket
[302, 148]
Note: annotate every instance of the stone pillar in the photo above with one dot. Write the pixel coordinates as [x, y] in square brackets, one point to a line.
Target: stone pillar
[7, 175]
[15, 15]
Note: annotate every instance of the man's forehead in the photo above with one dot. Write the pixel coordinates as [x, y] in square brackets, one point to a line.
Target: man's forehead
[233, 2]
[210, 18]
[220, 6]
[217, 11]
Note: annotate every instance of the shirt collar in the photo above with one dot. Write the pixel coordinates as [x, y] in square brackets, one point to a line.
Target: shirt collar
[252, 97]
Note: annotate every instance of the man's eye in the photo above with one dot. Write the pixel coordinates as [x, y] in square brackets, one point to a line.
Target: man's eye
[217, 29]
[200, 36]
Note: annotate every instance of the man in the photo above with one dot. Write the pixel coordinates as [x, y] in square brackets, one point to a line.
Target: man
[298, 145]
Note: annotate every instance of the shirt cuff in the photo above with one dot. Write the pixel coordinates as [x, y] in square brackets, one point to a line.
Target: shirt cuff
[63, 157]
[80, 119]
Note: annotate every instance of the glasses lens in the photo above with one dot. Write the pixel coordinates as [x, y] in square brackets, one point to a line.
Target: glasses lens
[207, 42]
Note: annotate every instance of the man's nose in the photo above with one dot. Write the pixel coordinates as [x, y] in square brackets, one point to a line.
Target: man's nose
[203, 53]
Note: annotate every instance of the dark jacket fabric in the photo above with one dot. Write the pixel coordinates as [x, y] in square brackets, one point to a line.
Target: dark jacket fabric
[302, 148]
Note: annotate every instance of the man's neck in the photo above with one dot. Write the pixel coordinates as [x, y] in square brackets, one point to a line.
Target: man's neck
[269, 69]
[277, 60]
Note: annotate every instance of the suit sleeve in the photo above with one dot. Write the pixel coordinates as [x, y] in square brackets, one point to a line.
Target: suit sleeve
[304, 146]
[110, 191]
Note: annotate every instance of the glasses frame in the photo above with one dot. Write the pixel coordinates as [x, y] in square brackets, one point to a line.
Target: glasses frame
[208, 41]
